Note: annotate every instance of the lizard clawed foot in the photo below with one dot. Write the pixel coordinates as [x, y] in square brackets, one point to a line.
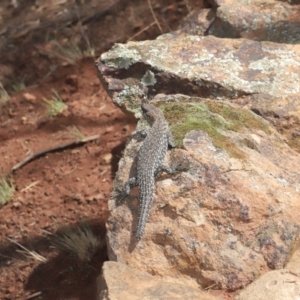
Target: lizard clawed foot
[126, 189]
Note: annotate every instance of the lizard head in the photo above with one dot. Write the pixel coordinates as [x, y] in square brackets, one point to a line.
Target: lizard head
[150, 112]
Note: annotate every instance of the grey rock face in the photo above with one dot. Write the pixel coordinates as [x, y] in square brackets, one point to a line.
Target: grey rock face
[201, 66]
[260, 20]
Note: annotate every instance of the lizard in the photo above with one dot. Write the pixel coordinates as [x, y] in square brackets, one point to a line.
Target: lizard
[150, 160]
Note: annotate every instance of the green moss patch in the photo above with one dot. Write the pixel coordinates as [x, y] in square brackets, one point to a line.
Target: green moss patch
[213, 118]
[239, 118]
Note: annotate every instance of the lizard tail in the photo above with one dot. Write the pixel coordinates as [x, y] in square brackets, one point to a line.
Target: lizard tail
[144, 216]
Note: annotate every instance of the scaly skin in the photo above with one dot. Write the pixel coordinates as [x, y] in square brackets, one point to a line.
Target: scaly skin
[150, 162]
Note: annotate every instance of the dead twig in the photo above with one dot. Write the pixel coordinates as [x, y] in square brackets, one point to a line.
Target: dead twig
[153, 14]
[30, 186]
[53, 149]
[209, 287]
[85, 37]
[34, 295]
[141, 31]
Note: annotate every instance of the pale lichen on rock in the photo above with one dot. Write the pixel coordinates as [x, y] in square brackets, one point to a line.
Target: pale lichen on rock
[120, 56]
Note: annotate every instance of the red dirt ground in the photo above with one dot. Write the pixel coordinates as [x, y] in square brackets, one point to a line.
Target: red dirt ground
[62, 188]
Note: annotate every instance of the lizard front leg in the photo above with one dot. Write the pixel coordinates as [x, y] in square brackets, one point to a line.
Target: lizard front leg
[171, 142]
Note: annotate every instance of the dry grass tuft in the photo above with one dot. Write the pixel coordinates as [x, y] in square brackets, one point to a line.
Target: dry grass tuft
[7, 190]
[56, 105]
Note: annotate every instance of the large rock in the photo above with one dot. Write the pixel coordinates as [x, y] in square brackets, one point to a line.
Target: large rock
[232, 211]
[275, 285]
[262, 76]
[197, 22]
[200, 66]
[261, 20]
[231, 215]
[281, 111]
[293, 264]
[281, 284]
[119, 281]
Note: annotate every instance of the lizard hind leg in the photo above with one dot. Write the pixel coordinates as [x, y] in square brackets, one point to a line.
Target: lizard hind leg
[127, 188]
[161, 169]
[171, 142]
